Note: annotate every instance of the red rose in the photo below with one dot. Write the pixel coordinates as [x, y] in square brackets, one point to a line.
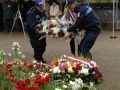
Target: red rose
[19, 84]
[39, 28]
[34, 88]
[37, 81]
[70, 36]
[25, 62]
[43, 33]
[51, 26]
[30, 66]
[49, 33]
[8, 66]
[23, 88]
[27, 82]
[20, 67]
[59, 34]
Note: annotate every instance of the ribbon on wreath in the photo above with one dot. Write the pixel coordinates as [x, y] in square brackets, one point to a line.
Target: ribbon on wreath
[89, 65]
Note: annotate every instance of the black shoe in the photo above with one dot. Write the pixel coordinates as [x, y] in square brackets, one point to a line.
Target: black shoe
[41, 60]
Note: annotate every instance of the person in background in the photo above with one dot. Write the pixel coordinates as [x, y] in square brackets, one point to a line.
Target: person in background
[1, 17]
[8, 13]
[54, 10]
[86, 20]
[47, 8]
[35, 16]
[78, 35]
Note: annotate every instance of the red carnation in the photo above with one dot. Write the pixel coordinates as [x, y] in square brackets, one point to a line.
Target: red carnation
[51, 26]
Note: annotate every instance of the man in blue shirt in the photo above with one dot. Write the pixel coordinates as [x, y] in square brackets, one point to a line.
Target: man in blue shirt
[86, 20]
[35, 16]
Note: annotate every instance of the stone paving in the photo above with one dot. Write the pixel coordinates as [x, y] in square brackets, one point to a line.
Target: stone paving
[106, 53]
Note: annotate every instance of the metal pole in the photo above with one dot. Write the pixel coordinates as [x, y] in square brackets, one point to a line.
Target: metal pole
[117, 29]
[113, 36]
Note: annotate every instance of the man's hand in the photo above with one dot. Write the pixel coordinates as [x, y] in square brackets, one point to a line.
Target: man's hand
[82, 33]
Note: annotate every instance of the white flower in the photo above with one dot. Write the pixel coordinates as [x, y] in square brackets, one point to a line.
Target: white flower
[19, 53]
[70, 70]
[84, 71]
[34, 61]
[54, 22]
[58, 89]
[15, 44]
[32, 75]
[56, 30]
[1, 62]
[44, 23]
[79, 81]
[9, 54]
[91, 84]
[23, 56]
[44, 29]
[13, 48]
[56, 70]
[64, 86]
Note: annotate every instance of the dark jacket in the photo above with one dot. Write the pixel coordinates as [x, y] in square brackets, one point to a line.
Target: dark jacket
[86, 19]
[1, 11]
[34, 17]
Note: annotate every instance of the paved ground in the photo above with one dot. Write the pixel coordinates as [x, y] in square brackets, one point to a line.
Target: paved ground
[106, 52]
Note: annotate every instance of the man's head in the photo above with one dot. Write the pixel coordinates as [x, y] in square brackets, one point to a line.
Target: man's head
[39, 5]
[72, 4]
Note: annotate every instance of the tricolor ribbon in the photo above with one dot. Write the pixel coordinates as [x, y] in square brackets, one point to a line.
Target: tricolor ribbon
[71, 15]
[89, 65]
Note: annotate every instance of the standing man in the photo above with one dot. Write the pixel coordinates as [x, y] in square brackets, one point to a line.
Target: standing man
[35, 16]
[86, 20]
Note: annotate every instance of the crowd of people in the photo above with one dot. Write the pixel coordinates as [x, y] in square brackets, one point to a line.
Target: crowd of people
[8, 10]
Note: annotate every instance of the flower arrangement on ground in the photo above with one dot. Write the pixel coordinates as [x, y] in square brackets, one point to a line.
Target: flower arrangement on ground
[64, 73]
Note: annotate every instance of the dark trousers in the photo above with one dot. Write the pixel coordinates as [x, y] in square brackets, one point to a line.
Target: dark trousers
[87, 43]
[72, 46]
[39, 47]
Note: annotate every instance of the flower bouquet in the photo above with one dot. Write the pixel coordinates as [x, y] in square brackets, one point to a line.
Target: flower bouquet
[76, 72]
[64, 73]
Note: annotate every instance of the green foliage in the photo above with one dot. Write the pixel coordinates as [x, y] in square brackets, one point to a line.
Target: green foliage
[2, 0]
